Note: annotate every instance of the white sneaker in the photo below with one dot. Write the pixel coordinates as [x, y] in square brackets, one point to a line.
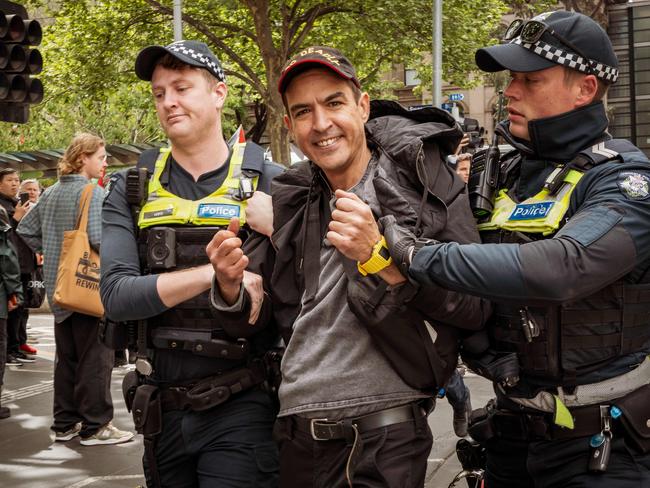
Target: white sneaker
[68, 434]
[109, 434]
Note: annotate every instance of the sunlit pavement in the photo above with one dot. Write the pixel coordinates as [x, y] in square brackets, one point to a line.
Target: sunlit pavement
[29, 457]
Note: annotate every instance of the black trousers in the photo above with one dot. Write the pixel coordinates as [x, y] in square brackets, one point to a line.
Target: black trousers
[391, 457]
[82, 376]
[3, 349]
[563, 464]
[228, 446]
[17, 329]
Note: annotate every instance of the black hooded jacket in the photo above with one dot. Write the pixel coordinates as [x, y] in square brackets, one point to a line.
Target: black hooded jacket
[413, 183]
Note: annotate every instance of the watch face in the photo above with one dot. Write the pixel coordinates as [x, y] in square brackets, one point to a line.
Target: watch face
[383, 252]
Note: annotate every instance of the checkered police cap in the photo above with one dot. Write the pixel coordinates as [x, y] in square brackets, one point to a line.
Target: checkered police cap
[193, 53]
[585, 34]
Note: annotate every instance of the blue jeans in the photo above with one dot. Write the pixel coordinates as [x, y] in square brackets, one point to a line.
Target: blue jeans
[228, 446]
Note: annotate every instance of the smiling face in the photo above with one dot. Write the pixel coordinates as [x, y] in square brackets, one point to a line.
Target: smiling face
[546, 93]
[327, 123]
[188, 105]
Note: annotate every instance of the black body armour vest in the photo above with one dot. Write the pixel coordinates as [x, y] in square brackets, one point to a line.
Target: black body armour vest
[556, 345]
[162, 248]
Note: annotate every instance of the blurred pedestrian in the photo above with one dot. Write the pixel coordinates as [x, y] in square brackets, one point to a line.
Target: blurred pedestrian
[463, 166]
[82, 371]
[10, 292]
[32, 188]
[18, 351]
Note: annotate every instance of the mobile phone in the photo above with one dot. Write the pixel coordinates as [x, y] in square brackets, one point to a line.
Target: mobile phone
[24, 197]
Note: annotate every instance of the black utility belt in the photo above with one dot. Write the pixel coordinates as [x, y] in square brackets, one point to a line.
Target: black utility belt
[633, 421]
[212, 391]
[199, 342]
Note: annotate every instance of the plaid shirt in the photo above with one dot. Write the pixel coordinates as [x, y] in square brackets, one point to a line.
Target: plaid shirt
[56, 211]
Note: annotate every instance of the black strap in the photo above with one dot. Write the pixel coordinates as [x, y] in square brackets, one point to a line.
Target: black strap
[150, 454]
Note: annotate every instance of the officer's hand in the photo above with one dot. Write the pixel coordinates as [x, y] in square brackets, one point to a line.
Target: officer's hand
[228, 261]
[401, 242]
[253, 285]
[353, 230]
[259, 213]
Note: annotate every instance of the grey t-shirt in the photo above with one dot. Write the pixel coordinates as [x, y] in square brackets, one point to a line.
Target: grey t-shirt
[331, 368]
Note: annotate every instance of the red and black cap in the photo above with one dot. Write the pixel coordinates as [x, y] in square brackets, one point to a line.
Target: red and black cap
[193, 53]
[314, 57]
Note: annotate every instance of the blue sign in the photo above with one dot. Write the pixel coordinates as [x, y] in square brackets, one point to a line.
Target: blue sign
[447, 106]
[218, 211]
[531, 211]
[456, 97]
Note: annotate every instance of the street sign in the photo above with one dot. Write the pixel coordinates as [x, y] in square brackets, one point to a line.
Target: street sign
[456, 97]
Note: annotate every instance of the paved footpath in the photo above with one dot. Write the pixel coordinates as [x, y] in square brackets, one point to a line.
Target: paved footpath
[29, 458]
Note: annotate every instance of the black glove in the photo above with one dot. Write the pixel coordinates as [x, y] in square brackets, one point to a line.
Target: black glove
[402, 243]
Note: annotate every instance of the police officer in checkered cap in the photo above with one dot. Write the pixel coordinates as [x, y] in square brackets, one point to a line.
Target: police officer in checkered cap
[198, 393]
[565, 259]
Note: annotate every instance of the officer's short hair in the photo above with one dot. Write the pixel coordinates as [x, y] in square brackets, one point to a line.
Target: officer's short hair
[571, 74]
[171, 62]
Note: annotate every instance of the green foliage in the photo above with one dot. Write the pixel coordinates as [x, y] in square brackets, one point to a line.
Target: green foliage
[90, 49]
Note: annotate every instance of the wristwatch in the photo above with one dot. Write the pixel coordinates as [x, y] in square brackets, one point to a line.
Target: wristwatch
[420, 242]
[379, 259]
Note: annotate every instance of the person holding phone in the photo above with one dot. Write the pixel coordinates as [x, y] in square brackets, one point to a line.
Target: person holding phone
[30, 191]
[18, 351]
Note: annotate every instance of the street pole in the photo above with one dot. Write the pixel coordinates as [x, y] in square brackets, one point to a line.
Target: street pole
[178, 20]
[437, 53]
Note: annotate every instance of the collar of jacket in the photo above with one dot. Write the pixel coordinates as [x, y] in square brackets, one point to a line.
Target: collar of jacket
[561, 137]
[401, 132]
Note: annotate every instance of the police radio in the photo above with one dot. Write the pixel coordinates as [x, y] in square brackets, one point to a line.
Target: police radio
[484, 176]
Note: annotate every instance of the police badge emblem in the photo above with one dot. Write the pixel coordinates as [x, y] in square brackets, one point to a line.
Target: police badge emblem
[635, 186]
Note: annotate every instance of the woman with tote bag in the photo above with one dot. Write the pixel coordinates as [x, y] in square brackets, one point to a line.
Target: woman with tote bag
[82, 371]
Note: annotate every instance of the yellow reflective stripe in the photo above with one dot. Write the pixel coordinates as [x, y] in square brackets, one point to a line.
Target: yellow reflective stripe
[561, 415]
[163, 207]
[236, 160]
[573, 177]
[504, 207]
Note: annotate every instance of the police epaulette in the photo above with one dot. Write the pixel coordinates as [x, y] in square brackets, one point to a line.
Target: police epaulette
[602, 152]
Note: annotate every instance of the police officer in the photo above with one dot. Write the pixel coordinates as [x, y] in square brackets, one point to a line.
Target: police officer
[197, 397]
[565, 257]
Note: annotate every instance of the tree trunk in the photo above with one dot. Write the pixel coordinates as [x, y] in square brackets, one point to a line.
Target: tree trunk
[278, 134]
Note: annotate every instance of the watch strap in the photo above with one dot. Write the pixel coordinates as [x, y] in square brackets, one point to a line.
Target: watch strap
[379, 259]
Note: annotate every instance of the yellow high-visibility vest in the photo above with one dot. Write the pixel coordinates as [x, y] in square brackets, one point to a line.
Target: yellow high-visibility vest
[164, 208]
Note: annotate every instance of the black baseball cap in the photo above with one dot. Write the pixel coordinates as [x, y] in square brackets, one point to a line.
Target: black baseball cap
[548, 51]
[193, 53]
[317, 56]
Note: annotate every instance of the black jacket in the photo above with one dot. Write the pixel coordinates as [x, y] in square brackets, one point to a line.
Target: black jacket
[26, 256]
[407, 146]
[564, 280]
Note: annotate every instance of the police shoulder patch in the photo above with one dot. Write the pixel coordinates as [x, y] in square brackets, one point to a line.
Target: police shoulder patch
[635, 186]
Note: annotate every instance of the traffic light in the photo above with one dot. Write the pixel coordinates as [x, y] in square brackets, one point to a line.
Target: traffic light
[19, 61]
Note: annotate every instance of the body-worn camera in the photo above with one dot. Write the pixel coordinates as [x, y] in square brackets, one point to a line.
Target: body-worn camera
[161, 248]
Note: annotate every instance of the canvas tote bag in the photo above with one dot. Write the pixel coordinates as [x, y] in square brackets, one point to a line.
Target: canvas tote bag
[77, 279]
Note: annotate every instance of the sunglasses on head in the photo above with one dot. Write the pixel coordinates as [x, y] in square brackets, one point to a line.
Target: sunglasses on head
[531, 31]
